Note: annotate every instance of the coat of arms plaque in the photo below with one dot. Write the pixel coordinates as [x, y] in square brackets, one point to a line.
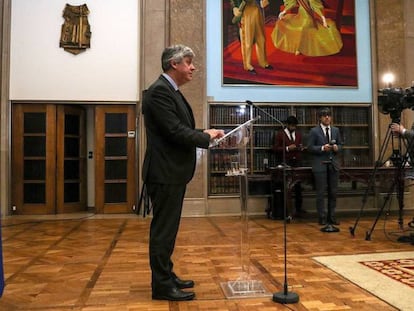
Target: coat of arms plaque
[76, 31]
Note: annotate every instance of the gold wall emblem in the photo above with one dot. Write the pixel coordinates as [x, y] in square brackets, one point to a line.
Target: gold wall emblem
[76, 31]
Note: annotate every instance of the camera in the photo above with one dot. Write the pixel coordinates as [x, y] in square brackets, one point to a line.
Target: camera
[393, 101]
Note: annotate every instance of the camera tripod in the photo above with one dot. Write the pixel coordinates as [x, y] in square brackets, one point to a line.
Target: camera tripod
[399, 160]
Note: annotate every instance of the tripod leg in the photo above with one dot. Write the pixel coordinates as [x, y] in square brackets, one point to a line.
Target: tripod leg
[371, 181]
[364, 200]
[369, 233]
[398, 186]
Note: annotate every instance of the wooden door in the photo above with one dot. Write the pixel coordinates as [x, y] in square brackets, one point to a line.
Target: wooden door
[71, 160]
[48, 159]
[33, 159]
[115, 170]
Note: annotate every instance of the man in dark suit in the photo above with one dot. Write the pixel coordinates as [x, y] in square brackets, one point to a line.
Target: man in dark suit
[169, 164]
[288, 141]
[324, 143]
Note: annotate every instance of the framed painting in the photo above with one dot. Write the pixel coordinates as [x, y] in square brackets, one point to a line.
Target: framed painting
[322, 47]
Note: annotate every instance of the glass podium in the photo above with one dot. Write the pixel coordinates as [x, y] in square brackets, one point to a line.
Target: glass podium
[238, 139]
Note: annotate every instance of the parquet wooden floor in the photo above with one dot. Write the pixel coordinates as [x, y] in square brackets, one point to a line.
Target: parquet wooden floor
[100, 263]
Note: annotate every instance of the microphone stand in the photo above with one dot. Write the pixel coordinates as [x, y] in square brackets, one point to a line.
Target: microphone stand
[284, 297]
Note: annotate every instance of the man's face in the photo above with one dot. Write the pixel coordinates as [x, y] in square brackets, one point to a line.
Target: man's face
[184, 70]
[291, 127]
[325, 119]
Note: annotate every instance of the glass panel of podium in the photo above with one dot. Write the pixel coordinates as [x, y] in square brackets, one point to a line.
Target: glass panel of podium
[238, 139]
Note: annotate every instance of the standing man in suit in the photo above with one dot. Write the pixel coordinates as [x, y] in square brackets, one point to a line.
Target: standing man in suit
[169, 164]
[325, 143]
[289, 142]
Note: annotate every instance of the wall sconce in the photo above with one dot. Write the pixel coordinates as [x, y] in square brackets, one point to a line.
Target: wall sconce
[388, 78]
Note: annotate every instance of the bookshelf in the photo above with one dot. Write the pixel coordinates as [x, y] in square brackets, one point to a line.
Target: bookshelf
[353, 120]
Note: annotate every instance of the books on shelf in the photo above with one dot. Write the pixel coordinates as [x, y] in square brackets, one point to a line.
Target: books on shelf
[353, 122]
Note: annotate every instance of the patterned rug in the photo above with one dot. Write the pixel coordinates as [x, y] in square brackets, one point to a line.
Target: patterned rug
[389, 276]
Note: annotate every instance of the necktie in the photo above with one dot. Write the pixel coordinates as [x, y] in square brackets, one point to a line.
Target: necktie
[291, 136]
[327, 135]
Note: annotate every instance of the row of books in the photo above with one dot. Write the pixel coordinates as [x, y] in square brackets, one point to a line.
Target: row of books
[221, 162]
[263, 138]
[355, 136]
[340, 115]
[229, 115]
[305, 115]
[277, 113]
[240, 114]
[224, 185]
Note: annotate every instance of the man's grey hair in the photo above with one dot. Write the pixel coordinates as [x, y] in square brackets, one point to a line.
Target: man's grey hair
[175, 53]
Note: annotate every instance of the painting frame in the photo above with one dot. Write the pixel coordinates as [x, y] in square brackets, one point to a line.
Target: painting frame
[217, 90]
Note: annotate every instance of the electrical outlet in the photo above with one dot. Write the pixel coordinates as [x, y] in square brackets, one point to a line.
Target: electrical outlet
[14, 208]
[133, 207]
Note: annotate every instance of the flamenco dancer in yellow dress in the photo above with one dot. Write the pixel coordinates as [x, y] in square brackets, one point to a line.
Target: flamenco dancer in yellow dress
[308, 32]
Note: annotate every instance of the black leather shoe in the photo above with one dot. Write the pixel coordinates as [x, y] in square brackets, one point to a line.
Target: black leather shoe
[269, 67]
[183, 283]
[333, 221]
[173, 294]
[322, 221]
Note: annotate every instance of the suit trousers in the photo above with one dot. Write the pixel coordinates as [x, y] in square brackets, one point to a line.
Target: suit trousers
[327, 180]
[167, 203]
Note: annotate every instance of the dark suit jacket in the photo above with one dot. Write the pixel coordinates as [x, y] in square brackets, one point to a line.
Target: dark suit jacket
[293, 158]
[409, 134]
[172, 139]
[316, 140]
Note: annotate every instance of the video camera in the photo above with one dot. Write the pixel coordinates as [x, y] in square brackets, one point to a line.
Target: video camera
[393, 101]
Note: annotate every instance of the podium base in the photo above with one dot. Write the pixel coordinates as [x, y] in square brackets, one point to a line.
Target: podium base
[244, 289]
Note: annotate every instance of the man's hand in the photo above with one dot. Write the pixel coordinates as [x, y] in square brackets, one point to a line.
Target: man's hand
[282, 14]
[291, 147]
[397, 128]
[328, 147]
[214, 133]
